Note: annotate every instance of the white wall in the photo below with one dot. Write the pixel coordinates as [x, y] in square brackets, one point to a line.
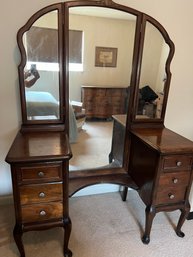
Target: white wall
[104, 32]
[178, 23]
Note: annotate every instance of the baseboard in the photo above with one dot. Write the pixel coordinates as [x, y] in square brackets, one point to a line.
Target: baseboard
[7, 199]
[190, 216]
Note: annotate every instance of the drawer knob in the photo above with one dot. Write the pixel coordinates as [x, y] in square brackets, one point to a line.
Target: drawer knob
[171, 196]
[175, 180]
[178, 164]
[42, 195]
[42, 213]
[41, 174]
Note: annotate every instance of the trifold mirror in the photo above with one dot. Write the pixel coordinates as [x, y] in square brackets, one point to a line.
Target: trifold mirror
[87, 67]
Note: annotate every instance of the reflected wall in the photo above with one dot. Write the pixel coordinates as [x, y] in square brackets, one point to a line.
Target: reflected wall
[109, 30]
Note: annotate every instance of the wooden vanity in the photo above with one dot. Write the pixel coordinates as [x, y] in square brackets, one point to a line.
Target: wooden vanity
[145, 156]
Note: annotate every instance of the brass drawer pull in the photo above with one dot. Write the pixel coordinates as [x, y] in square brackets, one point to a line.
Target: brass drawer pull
[42, 195]
[171, 196]
[178, 164]
[42, 213]
[41, 174]
[175, 180]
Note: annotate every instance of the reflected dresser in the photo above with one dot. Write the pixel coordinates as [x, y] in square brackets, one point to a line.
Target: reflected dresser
[103, 102]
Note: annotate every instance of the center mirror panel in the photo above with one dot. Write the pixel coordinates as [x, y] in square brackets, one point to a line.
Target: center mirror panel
[41, 72]
[101, 43]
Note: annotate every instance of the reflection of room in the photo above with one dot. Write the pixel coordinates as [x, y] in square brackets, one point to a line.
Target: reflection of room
[43, 96]
[100, 82]
[106, 32]
[152, 77]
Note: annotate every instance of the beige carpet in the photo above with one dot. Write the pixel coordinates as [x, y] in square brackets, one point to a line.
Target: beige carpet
[103, 226]
[93, 146]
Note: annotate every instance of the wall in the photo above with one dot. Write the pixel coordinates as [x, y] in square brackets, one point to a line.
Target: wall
[178, 23]
[104, 32]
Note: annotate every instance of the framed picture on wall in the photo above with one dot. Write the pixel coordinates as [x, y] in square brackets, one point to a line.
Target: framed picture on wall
[105, 56]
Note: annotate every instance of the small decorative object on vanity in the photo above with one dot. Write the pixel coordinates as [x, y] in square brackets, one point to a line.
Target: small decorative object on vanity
[144, 156]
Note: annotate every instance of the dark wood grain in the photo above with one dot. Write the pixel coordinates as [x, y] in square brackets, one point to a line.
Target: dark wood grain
[41, 193]
[39, 146]
[164, 140]
[32, 213]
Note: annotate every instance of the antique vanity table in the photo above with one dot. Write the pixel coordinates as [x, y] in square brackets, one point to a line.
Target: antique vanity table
[145, 156]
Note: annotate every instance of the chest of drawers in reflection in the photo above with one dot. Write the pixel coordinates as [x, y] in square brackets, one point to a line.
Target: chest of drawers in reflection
[103, 102]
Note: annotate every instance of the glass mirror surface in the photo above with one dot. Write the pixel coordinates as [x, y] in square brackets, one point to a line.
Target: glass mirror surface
[153, 74]
[41, 72]
[101, 42]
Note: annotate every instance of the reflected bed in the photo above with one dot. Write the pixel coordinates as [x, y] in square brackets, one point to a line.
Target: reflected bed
[41, 104]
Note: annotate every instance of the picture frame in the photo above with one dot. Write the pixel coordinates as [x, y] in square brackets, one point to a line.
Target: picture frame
[106, 56]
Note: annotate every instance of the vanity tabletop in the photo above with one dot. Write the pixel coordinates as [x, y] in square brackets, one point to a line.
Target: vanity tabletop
[164, 140]
[39, 146]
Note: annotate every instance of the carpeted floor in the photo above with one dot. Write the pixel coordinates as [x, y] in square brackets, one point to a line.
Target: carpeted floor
[103, 226]
[93, 146]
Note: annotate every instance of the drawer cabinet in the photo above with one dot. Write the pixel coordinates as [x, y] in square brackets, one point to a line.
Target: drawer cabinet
[40, 184]
[174, 179]
[103, 102]
[161, 166]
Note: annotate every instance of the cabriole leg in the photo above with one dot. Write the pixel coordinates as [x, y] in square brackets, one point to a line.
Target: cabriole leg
[67, 232]
[183, 216]
[17, 234]
[150, 214]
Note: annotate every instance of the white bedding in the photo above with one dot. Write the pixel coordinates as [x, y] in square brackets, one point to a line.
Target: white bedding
[41, 104]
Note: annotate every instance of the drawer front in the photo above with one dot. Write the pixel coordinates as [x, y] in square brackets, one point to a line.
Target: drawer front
[41, 173]
[40, 193]
[174, 179]
[167, 195]
[41, 212]
[177, 162]
[115, 92]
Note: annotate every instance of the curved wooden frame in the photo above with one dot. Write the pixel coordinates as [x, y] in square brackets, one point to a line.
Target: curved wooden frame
[38, 125]
[110, 173]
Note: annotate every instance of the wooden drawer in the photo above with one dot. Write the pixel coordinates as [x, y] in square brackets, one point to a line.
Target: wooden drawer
[41, 212]
[174, 179]
[167, 195]
[40, 173]
[40, 193]
[177, 162]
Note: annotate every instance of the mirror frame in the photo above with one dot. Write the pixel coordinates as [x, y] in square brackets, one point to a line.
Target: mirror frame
[47, 125]
[155, 121]
[108, 174]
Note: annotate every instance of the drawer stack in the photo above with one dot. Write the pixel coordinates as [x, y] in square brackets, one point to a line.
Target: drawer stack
[41, 192]
[174, 179]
